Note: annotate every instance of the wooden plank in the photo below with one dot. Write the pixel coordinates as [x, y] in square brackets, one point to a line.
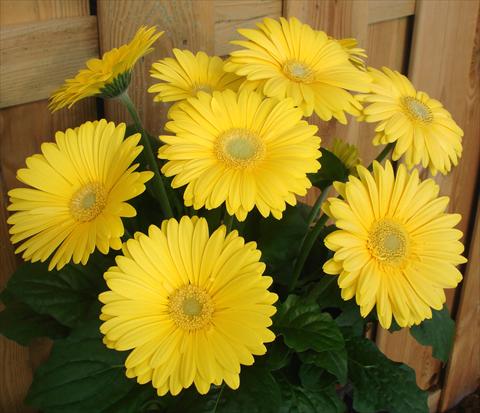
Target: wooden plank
[231, 15]
[463, 370]
[433, 400]
[187, 25]
[22, 128]
[447, 72]
[382, 10]
[37, 56]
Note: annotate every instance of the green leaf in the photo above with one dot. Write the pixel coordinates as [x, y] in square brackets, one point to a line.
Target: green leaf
[332, 170]
[315, 378]
[335, 362]
[259, 392]
[82, 375]
[437, 332]
[380, 384]
[20, 323]
[296, 399]
[68, 295]
[304, 327]
[280, 240]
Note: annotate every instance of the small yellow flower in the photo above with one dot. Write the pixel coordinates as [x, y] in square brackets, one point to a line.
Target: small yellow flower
[242, 149]
[108, 76]
[423, 131]
[192, 307]
[188, 74]
[395, 246]
[347, 153]
[79, 186]
[289, 59]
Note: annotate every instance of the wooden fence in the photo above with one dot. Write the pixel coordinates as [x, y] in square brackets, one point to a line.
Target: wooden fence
[435, 42]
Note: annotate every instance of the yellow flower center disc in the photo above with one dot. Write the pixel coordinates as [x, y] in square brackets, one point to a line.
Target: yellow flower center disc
[88, 202]
[417, 109]
[297, 71]
[190, 307]
[239, 148]
[388, 242]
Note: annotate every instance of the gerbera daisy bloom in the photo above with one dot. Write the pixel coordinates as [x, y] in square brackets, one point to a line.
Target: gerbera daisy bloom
[288, 58]
[356, 54]
[423, 131]
[108, 76]
[78, 188]
[187, 74]
[395, 246]
[191, 307]
[241, 149]
[347, 153]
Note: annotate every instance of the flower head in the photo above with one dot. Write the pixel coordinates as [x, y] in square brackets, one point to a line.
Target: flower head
[356, 54]
[241, 149]
[395, 246]
[78, 188]
[188, 74]
[287, 58]
[347, 153]
[108, 76]
[423, 131]
[191, 306]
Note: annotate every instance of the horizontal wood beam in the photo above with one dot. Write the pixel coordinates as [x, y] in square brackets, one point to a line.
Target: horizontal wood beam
[231, 15]
[37, 57]
[382, 10]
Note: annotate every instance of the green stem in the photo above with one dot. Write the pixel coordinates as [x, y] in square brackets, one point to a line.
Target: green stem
[218, 398]
[305, 249]
[381, 156]
[228, 221]
[316, 207]
[157, 182]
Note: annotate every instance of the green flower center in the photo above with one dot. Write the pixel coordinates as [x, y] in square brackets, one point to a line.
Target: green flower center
[88, 202]
[388, 241]
[239, 148]
[417, 109]
[297, 71]
[190, 307]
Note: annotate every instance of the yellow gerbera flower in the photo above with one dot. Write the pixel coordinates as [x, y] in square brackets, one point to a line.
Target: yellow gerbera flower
[241, 149]
[423, 130]
[356, 54]
[79, 186]
[395, 247]
[108, 76]
[347, 153]
[187, 74]
[193, 307]
[288, 58]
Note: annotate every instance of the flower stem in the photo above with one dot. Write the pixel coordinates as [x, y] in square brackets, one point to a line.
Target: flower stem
[305, 249]
[316, 207]
[228, 221]
[381, 156]
[157, 182]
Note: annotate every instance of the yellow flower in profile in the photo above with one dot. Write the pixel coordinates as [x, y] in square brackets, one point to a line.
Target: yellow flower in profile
[79, 186]
[191, 306]
[287, 58]
[423, 131]
[242, 149]
[347, 153]
[108, 76]
[187, 74]
[356, 54]
[395, 246]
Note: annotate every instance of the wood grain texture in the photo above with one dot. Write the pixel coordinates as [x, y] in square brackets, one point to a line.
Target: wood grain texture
[231, 15]
[37, 56]
[382, 10]
[187, 25]
[22, 129]
[463, 369]
[444, 63]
